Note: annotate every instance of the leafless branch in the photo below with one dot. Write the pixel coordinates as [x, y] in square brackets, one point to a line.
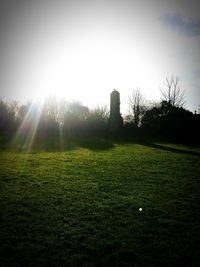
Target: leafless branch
[172, 93]
[136, 103]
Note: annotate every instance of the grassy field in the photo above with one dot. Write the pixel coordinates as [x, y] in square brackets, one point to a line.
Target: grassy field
[80, 207]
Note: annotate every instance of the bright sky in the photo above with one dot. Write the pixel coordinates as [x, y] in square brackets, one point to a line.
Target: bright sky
[83, 50]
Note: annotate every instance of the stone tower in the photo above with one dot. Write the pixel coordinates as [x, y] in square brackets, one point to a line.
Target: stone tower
[115, 120]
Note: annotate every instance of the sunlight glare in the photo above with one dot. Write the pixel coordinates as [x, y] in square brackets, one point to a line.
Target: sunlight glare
[24, 138]
[88, 69]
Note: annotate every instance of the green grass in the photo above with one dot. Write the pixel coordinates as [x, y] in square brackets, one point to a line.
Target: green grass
[81, 207]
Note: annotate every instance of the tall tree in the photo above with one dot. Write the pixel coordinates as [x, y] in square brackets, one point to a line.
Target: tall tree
[137, 106]
[172, 93]
[97, 120]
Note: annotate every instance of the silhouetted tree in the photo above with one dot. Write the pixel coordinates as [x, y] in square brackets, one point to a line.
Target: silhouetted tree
[172, 93]
[50, 109]
[97, 120]
[171, 122]
[49, 117]
[8, 117]
[75, 117]
[137, 107]
[22, 111]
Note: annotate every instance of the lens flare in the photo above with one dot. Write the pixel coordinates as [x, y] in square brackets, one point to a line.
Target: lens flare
[24, 138]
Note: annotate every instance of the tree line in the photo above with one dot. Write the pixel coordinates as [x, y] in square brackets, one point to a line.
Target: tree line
[52, 117]
[165, 120]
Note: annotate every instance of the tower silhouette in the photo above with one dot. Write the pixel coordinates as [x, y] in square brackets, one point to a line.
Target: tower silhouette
[115, 120]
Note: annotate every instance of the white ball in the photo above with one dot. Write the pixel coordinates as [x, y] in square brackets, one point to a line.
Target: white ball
[140, 209]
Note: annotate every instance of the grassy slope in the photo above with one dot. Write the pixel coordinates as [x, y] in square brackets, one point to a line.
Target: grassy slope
[81, 208]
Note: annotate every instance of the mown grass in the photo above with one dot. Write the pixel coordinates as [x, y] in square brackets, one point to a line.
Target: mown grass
[81, 207]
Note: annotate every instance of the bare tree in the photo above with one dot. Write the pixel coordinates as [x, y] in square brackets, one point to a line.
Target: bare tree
[172, 93]
[137, 106]
[100, 113]
[50, 111]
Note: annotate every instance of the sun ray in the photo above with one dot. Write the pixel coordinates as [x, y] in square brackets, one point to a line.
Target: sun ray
[25, 135]
[61, 136]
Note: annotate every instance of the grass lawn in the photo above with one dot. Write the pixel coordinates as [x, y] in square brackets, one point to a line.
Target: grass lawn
[80, 207]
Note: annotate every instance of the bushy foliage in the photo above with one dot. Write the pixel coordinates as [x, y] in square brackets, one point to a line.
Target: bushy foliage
[168, 121]
[97, 120]
[8, 116]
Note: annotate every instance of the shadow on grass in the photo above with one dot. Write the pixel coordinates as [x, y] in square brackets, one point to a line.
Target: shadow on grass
[96, 144]
[170, 149]
[53, 144]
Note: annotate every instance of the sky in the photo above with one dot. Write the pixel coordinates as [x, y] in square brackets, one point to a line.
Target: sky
[83, 49]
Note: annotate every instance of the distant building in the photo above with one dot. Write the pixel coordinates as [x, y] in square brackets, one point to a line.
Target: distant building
[115, 120]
